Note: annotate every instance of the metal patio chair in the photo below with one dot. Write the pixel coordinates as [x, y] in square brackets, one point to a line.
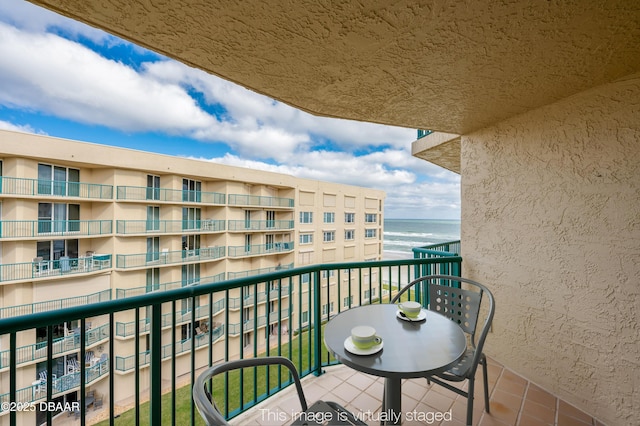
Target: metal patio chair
[319, 410]
[462, 305]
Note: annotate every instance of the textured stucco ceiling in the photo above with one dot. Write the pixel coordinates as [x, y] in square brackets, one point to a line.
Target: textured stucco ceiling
[451, 66]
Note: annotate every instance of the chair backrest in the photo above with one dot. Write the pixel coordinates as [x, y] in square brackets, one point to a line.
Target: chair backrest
[462, 305]
[202, 397]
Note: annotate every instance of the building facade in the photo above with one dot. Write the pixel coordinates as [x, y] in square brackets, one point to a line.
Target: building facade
[83, 223]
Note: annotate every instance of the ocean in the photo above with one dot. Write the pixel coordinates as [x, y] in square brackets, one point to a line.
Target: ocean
[401, 235]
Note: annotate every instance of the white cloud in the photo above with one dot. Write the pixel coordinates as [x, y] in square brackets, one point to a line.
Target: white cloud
[406, 197]
[62, 78]
[5, 125]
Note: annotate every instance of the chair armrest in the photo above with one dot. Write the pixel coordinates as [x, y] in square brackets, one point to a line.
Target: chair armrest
[202, 397]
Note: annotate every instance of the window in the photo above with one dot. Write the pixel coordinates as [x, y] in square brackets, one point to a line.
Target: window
[305, 278]
[332, 273]
[185, 332]
[191, 218]
[153, 279]
[54, 250]
[153, 187]
[370, 218]
[190, 274]
[153, 218]
[325, 309]
[349, 217]
[349, 234]
[305, 317]
[58, 180]
[58, 218]
[271, 219]
[329, 217]
[346, 302]
[306, 217]
[269, 239]
[190, 245]
[368, 294]
[153, 249]
[191, 190]
[370, 233]
[328, 236]
[306, 238]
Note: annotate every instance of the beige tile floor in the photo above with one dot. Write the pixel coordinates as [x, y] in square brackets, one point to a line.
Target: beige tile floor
[513, 401]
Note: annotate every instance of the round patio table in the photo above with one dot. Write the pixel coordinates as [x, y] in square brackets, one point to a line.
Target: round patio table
[410, 349]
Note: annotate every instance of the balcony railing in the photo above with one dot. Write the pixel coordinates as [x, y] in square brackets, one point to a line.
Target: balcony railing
[137, 291]
[259, 200]
[294, 331]
[52, 305]
[253, 297]
[253, 272]
[451, 248]
[38, 351]
[259, 249]
[128, 329]
[127, 363]
[139, 260]
[54, 188]
[53, 268]
[128, 227]
[259, 225]
[143, 193]
[423, 133]
[53, 228]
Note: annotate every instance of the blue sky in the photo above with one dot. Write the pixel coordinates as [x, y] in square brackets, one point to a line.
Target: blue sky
[61, 78]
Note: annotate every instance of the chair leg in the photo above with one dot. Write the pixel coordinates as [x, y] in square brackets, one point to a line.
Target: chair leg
[470, 394]
[483, 361]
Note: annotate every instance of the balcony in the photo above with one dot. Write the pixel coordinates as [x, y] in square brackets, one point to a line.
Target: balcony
[288, 333]
[253, 296]
[52, 269]
[155, 259]
[68, 344]
[260, 201]
[253, 272]
[146, 227]
[42, 229]
[260, 249]
[175, 196]
[137, 291]
[52, 305]
[54, 189]
[169, 351]
[183, 316]
[259, 225]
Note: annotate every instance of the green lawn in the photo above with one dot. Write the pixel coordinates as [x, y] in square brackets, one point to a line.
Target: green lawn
[300, 348]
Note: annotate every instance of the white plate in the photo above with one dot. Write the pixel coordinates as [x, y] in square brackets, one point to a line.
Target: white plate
[350, 347]
[421, 317]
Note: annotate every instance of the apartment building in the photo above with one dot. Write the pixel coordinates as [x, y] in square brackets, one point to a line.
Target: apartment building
[82, 223]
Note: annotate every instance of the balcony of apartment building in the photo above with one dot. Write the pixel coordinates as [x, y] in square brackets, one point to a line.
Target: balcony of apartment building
[158, 259]
[243, 200]
[259, 225]
[134, 228]
[41, 268]
[43, 189]
[146, 194]
[249, 250]
[273, 325]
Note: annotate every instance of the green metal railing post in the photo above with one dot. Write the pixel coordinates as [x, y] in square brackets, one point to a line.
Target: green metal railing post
[317, 328]
[13, 365]
[155, 410]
